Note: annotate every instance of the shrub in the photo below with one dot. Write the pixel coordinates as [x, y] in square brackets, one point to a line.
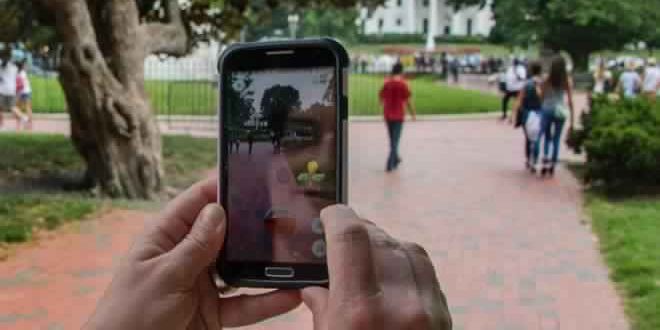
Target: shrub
[622, 141]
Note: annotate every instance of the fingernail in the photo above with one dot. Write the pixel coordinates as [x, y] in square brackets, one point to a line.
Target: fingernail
[214, 216]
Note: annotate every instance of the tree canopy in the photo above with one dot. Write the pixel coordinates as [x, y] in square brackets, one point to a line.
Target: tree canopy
[579, 27]
[103, 44]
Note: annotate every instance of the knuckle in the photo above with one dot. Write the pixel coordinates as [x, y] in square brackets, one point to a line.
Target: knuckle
[363, 316]
[382, 240]
[352, 233]
[197, 242]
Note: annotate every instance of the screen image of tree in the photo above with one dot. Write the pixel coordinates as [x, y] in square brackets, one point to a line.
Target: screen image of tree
[281, 129]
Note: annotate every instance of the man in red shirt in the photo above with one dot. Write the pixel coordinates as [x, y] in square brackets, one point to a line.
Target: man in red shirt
[395, 97]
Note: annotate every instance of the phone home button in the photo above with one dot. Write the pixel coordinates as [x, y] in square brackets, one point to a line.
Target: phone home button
[280, 272]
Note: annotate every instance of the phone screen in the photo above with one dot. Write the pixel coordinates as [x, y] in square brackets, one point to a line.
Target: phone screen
[281, 144]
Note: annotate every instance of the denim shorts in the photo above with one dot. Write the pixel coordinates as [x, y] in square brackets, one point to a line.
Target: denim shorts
[7, 102]
[26, 97]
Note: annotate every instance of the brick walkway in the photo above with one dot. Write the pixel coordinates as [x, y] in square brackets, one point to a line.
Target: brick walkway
[509, 248]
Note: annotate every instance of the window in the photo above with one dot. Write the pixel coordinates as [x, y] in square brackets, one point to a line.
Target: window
[469, 27]
[425, 26]
[398, 22]
[381, 22]
[425, 3]
[399, 3]
[447, 30]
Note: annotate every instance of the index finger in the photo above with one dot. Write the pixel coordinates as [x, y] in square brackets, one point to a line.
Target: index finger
[350, 262]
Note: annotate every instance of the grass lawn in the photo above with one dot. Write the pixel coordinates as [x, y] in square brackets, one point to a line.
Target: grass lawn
[200, 98]
[629, 232]
[176, 97]
[428, 97]
[37, 156]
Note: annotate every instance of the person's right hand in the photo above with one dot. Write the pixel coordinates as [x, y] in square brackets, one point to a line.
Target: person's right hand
[376, 282]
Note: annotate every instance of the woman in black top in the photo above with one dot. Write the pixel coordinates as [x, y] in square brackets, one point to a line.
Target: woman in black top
[529, 100]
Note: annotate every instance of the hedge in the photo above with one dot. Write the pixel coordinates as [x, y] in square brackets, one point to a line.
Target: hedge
[622, 142]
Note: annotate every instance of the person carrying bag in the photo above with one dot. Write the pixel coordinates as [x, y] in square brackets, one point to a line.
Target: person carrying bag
[527, 115]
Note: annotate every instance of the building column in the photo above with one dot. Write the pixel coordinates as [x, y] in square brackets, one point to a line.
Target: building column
[433, 25]
[412, 16]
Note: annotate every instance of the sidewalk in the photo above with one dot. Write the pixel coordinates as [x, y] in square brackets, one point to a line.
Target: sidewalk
[509, 248]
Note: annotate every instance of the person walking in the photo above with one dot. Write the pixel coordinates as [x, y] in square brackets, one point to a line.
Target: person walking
[455, 67]
[651, 83]
[630, 82]
[529, 103]
[8, 79]
[515, 78]
[24, 92]
[395, 97]
[556, 88]
[602, 82]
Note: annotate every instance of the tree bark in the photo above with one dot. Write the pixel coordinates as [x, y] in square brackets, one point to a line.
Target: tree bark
[102, 74]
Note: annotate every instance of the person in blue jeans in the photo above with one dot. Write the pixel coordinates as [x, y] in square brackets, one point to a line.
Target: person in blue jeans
[395, 96]
[556, 88]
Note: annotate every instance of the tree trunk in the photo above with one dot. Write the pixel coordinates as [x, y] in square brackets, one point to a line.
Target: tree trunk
[580, 60]
[112, 128]
[102, 74]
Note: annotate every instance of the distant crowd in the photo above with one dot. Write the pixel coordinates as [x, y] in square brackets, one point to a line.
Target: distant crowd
[446, 64]
[544, 100]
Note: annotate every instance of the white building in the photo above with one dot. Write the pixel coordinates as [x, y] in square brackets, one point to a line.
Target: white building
[429, 17]
[201, 64]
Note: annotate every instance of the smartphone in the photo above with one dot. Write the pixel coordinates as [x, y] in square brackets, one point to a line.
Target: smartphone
[282, 154]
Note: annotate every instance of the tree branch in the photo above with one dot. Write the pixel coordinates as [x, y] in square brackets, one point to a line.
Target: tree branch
[168, 38]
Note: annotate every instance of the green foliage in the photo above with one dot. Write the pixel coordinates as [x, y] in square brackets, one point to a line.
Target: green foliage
[37, 154]
[628, 232]
[330, 21]
[186, 159]
[429, 97]
[578, 27]
[622, 141]
[41, 155]
[200, 98]
[21, 214]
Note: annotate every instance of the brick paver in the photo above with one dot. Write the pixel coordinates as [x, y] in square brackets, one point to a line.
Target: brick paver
[509, 248]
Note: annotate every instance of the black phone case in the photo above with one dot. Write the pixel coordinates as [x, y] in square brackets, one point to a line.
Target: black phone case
[343, 63]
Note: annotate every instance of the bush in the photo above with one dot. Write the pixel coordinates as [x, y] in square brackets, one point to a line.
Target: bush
[622, 141]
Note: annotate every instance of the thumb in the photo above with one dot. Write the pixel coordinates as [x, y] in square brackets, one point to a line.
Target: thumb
[201, 246]
[316, 299]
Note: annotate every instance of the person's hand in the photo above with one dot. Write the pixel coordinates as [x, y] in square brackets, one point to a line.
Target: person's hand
[376, 282]
[165, 283]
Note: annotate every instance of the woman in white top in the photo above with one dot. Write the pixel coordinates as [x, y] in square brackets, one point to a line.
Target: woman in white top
[651, 83]
[602, 79]
[8, 79]
[24, 92]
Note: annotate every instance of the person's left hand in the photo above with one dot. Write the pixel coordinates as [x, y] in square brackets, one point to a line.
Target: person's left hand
[165, 283]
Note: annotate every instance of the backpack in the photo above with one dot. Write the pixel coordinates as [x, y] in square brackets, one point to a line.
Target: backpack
[532, 100]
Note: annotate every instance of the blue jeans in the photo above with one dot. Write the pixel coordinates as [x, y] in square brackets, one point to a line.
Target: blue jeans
[394, 129]
[551, 131]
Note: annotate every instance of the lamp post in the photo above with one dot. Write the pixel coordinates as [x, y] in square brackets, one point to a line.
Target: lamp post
[433, 25]
[293, 19]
